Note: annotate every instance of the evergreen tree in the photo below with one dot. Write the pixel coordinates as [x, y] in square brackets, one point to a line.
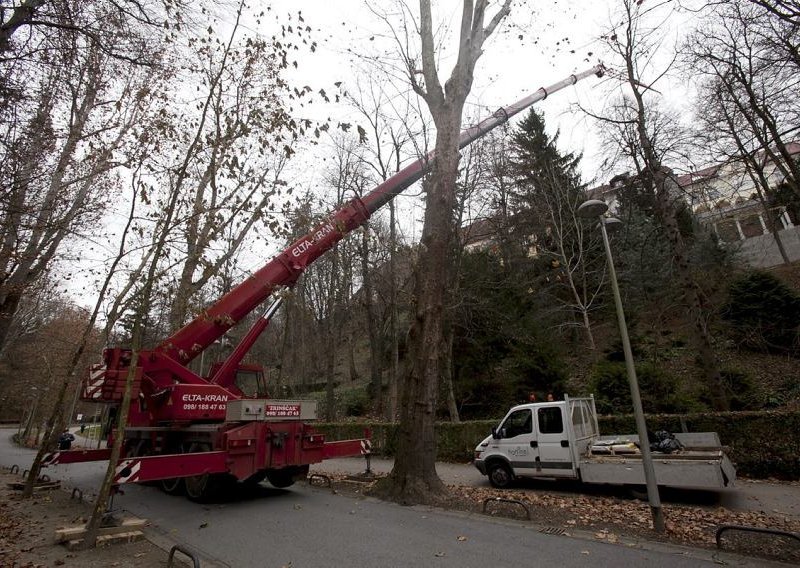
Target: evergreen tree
[500, 350]
[539, 165]
[547, 192]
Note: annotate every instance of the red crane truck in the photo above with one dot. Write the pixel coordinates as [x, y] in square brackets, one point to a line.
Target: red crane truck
[193, 433]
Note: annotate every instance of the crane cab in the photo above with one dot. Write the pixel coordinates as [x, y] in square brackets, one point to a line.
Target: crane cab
[246, 381]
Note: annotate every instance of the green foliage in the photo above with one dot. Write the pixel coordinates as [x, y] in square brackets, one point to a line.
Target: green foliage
[643, 262]
[355, 402]
[659, 391]
[741, 390]
[763, 314]
[538, 164]
[743, 393]
[500, 351]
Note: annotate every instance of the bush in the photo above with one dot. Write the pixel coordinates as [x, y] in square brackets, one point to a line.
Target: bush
[659, 391]
[763, 314]
[743, 394]
[355, 402]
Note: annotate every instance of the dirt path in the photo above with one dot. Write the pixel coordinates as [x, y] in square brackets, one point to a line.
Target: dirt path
[27, 534]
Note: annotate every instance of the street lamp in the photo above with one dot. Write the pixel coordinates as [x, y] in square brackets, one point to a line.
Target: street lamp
[595, 209]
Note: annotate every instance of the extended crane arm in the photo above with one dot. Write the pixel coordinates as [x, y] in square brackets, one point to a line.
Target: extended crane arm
[284, 270]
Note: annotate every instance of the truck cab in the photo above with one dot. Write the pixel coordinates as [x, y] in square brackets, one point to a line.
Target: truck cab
[538, 440]
[247, 380]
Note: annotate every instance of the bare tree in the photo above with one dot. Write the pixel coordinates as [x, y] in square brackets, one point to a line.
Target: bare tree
[387, 137]
[413, 477]
[748, 88]
[24, 19]
[57, 420]
[58, 164]
[149, 281]
[644, 137]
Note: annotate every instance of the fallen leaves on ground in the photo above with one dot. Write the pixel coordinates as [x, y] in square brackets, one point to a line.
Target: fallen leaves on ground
[609, 517]
[685, 523]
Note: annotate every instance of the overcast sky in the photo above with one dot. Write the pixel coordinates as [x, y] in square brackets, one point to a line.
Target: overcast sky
[540, 43]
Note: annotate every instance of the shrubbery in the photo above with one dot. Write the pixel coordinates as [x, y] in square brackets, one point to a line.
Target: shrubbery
[659, 391]
[355, 402]
[763, 314]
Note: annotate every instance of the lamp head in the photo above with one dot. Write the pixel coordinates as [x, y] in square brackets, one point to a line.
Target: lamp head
[592, 208]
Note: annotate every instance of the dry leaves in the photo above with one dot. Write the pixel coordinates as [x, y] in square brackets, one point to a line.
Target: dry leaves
[685, 523]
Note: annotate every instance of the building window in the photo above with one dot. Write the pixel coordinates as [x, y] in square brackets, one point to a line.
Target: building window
[751, 226]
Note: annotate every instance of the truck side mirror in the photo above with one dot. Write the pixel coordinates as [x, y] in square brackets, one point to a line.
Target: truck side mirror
[495, 433]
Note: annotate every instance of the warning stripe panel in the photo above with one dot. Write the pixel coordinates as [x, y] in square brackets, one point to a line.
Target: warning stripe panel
[76, 456]
[346, 448]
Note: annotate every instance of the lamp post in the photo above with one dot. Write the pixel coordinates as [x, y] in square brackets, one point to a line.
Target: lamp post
[595, 209]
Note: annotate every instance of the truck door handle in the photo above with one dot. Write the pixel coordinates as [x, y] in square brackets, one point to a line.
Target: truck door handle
[565, 443]
[534, 444]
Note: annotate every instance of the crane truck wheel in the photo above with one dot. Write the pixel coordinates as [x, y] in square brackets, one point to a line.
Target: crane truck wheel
[256, 478]
[500, 475]
[201, 488]
[280, 478]
[286, 476]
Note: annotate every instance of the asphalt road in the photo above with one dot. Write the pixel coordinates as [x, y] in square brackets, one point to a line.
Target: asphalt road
[308, 527]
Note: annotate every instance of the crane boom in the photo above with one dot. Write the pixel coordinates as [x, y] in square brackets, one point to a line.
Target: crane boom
[197, 432]
[284, 269]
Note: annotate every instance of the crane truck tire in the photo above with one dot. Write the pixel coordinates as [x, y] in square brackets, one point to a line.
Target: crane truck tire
[285, 477]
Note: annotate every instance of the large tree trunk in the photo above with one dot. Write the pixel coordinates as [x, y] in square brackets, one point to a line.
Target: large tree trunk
[414, 478]
[8, 308]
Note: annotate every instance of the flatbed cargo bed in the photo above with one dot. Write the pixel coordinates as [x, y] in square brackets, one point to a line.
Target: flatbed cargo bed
[701, 464]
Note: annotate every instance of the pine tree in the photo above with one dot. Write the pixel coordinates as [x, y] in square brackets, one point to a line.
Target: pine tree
[544, 176]
[548, 190]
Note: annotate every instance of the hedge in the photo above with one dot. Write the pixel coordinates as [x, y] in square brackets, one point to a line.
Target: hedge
[762, 444]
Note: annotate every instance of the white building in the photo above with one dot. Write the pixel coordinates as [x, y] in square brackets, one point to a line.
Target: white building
[725, 198]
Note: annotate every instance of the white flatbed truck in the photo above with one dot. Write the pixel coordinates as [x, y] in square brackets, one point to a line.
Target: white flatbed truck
[561, 439]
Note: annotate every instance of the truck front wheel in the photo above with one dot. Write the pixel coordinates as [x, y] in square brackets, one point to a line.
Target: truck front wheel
[500, 475]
